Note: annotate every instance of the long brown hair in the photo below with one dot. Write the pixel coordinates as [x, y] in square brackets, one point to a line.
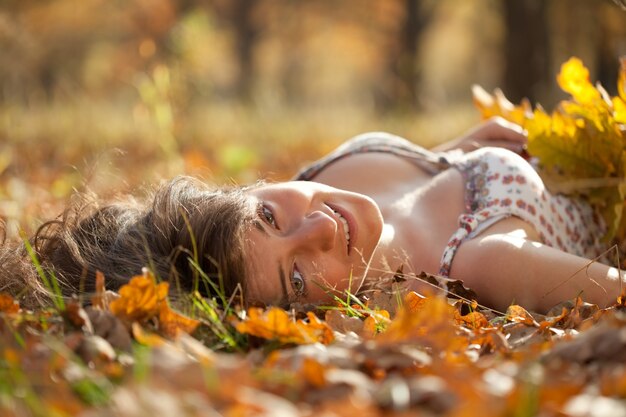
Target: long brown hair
[185, 233]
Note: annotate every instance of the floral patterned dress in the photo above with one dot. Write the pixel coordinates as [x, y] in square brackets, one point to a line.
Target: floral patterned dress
[498, 184]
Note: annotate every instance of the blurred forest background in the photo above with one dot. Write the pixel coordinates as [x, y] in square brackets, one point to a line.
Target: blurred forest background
[109, 96]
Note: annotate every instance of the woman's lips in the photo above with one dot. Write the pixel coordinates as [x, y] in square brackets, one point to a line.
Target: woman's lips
[352, 226]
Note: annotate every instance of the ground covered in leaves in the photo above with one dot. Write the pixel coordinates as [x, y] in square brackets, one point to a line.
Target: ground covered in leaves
[137, 353]
[132, 354]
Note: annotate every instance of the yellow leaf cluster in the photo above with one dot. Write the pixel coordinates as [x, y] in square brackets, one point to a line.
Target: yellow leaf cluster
[143, 299]
[580, 146]
[275, 324]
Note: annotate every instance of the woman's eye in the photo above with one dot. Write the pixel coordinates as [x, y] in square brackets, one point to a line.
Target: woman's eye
[267, 215]
[297, 282]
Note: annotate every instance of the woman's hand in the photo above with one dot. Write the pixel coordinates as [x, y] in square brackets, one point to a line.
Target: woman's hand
[496, 132]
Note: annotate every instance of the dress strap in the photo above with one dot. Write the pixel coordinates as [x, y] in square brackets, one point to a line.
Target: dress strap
[467, 224]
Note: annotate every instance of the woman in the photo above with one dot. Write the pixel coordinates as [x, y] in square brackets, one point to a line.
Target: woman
[376, 205]
[395, 206]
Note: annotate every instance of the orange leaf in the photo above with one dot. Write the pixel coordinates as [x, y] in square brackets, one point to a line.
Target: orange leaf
[313, 372]
[146, 338]
[8, 305]
[171, 323]
[140, 298]
[473, 320]
[413, 302]
[518, 314]
[432, 324]
[376, 322]
[275, 324]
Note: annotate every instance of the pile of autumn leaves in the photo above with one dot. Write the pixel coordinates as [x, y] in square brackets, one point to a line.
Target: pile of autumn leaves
[131, 354]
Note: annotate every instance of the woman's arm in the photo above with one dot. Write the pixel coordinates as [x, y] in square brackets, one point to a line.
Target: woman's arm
[494, 132]
[505, 269]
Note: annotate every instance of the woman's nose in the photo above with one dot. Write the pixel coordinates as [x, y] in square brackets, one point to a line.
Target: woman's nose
[318, 230]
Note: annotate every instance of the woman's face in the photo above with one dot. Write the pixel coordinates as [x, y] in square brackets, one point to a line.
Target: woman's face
[310, 239]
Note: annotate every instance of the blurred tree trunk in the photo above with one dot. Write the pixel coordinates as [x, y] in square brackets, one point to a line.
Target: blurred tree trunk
[245, 33]
[526, 49]
[403, 60]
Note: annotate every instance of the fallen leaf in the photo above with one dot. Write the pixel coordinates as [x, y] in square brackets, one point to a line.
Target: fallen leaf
[144, 337]
[518, 314]
[313, 372]
[473, 320]
[172, 323]
[140, 299]
[275, 324]
[8, 305]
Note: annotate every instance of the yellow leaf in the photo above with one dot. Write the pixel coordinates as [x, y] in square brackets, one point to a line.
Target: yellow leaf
[139, 299]
[619, 110]
[574, 79]
[621, 80]
[498, 105]
[275, 324]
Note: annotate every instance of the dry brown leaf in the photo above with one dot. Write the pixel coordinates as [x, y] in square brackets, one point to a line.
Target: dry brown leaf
[110, 328]
[77, 316]
[339, 322]
[99, 300]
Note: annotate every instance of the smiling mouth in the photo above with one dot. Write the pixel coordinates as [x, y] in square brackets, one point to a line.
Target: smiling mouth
[346, 227]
